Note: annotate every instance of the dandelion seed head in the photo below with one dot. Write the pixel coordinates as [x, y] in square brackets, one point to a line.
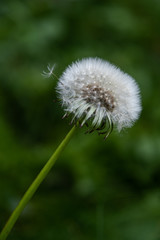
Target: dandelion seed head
[95, 89]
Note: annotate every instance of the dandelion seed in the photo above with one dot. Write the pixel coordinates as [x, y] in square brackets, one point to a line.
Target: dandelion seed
[50, 71]
[93, 89]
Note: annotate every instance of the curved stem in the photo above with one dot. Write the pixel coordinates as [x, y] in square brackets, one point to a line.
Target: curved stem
[34, 186]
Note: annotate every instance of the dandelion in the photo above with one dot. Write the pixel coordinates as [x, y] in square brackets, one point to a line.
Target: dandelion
[93, 89]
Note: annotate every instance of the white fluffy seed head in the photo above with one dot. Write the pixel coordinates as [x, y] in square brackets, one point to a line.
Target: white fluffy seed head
[94, 88]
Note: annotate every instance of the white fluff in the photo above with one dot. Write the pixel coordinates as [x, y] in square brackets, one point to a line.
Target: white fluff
[94, 88]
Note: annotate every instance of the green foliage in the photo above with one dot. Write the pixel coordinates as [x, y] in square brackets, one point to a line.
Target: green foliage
[97, 189]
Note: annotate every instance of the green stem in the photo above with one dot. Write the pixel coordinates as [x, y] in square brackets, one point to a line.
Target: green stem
[34, 186]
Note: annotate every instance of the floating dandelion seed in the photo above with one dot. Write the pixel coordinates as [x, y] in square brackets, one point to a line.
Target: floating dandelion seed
[93, 89]
[50, 71]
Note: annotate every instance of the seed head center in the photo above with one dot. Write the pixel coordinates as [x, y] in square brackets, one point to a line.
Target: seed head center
[97, 95]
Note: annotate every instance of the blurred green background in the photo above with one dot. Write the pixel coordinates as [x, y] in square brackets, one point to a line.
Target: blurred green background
[98, 189]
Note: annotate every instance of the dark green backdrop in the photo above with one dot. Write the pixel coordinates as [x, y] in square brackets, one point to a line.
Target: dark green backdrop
[98, 189]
